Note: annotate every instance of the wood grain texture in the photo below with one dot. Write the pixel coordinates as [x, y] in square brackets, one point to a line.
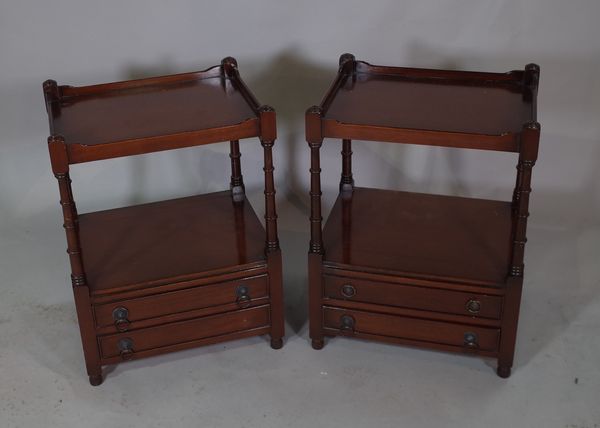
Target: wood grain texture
[411, 328]
[206, 296]
[431, 104]
[161, 240]
[187, 331]
[163, 108]
[413, 233]
[149, 115]
[432, 107]
[413, 296]
[412, 313]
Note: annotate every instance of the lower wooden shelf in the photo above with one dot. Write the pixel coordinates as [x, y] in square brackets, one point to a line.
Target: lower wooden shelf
[421, 235]
[168, 241]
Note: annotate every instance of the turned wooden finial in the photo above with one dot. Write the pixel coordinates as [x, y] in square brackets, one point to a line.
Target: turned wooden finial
[265, 108]
[532, 67]
[56, 139]
[51, 92]
[347, 63]
[346, 57]
[229, 64]
[532, 75]
[50, 85]
[314, 110]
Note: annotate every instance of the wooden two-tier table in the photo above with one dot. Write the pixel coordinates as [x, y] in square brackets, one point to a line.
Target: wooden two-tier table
[432, 271]
[170, 275]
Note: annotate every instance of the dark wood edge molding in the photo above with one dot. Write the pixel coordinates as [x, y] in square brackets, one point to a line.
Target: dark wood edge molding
[340, 269]
[67, 91]
[79, 153]
[335, 129]
[182, 281]
[510, 76]
[349, 67]
[258, 331]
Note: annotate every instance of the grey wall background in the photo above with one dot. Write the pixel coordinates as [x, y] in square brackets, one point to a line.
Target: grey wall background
[287, 52]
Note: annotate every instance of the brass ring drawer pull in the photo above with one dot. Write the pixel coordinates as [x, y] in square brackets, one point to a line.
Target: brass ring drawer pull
[126, 348]
[242, 293]
[348, 290]
[470, 340]
[347, 323]
[473, 306]
[120, 315]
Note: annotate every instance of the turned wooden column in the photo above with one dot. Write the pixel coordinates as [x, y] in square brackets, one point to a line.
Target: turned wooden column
[237, 181]
[346, 181]
[528, 153]
[527, 157]
[315, 140]
[268, 134]
[267, 139]
[347, 64]
[530, 135]
[60, 168]
[315, 253]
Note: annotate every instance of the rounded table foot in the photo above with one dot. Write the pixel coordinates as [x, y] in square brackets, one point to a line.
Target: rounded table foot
[96, 380]
[276, 343]
[317, 344]
[503, 371]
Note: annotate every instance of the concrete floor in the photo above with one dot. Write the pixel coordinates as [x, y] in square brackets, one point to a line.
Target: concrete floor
[555, 383]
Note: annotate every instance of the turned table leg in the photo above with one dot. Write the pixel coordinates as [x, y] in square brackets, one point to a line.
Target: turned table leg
[315, 255]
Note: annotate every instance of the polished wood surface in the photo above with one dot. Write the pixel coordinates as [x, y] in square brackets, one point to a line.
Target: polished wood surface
[168, 275]
[161, 240]
[422, 330]
[157, 108]
[149, 115]
[430, 107]
[420, 234]
[186, 331]
[430, 103]
[181, 301]
[409, 295]
[432, 271]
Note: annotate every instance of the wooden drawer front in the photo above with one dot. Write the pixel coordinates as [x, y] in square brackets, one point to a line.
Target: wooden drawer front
[465, 336]
[185, 331]
[181, 301]
[408, 296]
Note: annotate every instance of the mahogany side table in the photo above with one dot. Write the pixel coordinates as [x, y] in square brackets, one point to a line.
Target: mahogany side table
[431, 271]
[176, 274]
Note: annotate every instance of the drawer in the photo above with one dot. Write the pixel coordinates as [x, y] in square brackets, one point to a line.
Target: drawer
[129, 343]
[415, 297]
[357, 322]
[124, 312]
